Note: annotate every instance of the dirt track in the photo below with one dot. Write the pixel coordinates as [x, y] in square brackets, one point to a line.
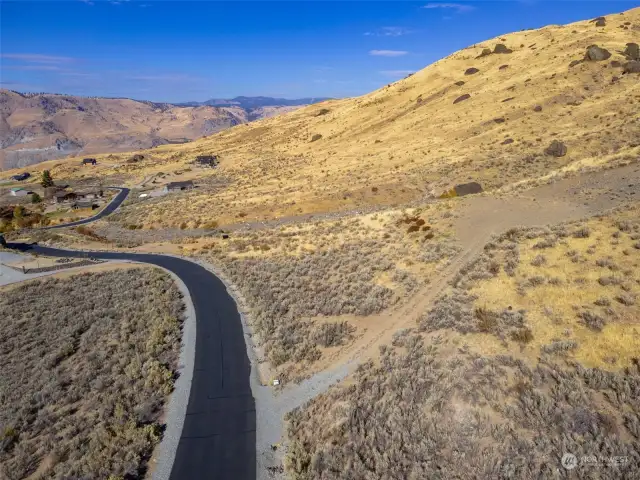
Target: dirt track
[478, 219]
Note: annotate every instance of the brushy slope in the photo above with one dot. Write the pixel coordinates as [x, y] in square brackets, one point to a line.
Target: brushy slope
[410, 139]
[531, 354]
[87, 363]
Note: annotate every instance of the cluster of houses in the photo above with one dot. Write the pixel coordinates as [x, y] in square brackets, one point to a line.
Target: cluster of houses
[59, 195]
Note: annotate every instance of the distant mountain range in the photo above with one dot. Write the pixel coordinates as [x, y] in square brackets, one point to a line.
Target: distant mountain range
[249, 103]
[36, 127]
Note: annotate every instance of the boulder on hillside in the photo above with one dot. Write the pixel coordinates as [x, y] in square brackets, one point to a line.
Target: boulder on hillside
[597, 54]
[600, 21]
[502, 67]
[501, 48]
[471, 71]
[507, 141]
[615, 64]
[485, 52]
[631, 67]
[632, 52]
[461, 98]
[467, 188]
[556, 149]
[573, 63]
[459, 83]
[537, 108]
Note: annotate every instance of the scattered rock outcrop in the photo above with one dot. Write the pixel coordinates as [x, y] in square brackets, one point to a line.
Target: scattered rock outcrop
[632, 52]
[597, 54]
[632, 67]
[461, 98]
[556, 149]
[507, 141]
[471, 71]
[600, 21]
[459, 83]
[502, 67]
[501, 48]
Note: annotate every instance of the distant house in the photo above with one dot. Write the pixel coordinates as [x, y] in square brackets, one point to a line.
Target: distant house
[19, 192]
[89, 161]
[89, 194]
[21, 176]
[62, 197]
[206, 160]
[49, 192]
[178, 186]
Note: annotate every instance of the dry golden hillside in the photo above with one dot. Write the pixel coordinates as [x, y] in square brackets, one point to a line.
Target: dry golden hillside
[410, 139]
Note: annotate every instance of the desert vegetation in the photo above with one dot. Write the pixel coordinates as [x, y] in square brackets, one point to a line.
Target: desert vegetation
[305, 282]
[87, 363]
[433, 409]
[573, 284]
[530, 354]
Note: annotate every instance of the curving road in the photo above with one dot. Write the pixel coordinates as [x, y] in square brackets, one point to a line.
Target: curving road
[218, 439]
[106, 211]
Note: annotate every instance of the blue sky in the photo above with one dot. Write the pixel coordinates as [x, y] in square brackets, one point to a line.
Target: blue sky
[179, 51]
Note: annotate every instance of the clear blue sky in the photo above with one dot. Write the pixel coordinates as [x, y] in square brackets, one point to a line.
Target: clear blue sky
[179, 51]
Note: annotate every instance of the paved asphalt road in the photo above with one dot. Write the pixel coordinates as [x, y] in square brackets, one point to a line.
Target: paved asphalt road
[106, 211]
[218, 438]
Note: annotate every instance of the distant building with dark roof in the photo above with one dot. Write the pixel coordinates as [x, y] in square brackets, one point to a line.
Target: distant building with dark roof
[89, 194]
[178, 186]
[21, 176]
[89, 161]
[62, 196]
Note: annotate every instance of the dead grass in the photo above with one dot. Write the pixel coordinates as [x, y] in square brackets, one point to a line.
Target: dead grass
[585, 291]
[407, 140]
[87, 363]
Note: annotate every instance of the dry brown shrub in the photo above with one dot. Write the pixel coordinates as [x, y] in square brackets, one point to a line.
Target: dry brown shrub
[87, 363]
